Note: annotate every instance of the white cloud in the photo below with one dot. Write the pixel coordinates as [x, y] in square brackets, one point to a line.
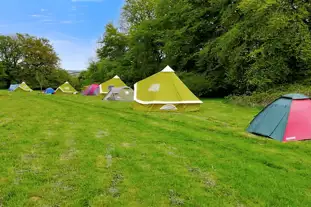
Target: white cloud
[71, 22]
[46, 20]
[36, 15]
[43, 10]
[73, 8]
[66, 22]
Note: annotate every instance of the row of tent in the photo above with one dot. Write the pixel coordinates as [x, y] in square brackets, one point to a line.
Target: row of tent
[286, 119]
[163, 91]
[65, 88]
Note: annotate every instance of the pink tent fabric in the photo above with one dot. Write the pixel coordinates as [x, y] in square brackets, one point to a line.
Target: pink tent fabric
[92, 90]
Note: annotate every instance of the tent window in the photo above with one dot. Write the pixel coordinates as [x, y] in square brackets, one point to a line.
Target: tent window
[154, 88]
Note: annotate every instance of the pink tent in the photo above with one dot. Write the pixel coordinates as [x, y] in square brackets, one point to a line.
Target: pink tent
[92, 90]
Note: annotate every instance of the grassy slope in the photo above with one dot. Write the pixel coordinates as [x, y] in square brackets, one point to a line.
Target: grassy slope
[79, 151]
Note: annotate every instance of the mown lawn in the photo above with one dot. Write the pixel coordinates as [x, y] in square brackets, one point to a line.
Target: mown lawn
[80, 151]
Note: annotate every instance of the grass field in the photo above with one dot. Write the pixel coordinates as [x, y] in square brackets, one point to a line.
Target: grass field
[80, 151]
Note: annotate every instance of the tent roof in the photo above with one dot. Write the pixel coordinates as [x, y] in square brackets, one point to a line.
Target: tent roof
[115, 82]
[66, 88]
[168, 69]
[296, 96]
[24, 87]
[163, 87]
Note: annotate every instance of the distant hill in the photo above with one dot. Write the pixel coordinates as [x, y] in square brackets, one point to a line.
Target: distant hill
[74, 72]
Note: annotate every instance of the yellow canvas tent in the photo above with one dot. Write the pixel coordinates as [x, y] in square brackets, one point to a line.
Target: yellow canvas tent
[20, 87]
[164, 91]
[115, 82]
[66, 88]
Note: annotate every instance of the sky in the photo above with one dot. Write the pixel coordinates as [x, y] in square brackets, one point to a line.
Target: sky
[72, 26]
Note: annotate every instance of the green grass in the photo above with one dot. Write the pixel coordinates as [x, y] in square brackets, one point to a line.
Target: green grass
[80, 151]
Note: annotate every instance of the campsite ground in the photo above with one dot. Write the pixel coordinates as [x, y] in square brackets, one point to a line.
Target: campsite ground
[80, 151]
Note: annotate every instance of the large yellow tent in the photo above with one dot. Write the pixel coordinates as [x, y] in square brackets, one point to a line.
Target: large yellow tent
[115, 82]
[164, 91]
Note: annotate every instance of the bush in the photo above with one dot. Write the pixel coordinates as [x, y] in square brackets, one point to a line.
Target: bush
[197, 83]
[264, 98]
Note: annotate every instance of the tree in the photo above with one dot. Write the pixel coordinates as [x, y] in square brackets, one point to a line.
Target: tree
[113, 44]
[10, 54]
[38, 55]
[219, 47]
[41, 79]
[27, 58]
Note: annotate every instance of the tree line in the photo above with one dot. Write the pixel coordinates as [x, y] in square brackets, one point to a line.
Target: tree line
[33, 60]
[217, 47]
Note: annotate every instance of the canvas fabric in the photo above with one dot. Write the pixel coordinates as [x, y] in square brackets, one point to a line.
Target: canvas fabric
[166, 107]
[23, 87]
[66, 88]
[115, 82]
[161, 89]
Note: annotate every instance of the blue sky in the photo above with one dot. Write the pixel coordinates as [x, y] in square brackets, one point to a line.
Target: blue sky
[73, 26]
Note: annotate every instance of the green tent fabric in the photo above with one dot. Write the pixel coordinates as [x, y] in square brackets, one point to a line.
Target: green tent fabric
[271, 122]
[66, 88]
[114, 82]
[164, 91]
[23, 87]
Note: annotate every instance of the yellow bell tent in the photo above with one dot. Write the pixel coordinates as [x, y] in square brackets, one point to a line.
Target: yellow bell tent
[115, 82]
[66, 88]
[164, 91]
[20, 87]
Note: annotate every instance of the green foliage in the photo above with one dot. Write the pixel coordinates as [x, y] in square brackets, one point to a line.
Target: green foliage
[113, 44]
[31, 59]
[262, 99]
[227, 47]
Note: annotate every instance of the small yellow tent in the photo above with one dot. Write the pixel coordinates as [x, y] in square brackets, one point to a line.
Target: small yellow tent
[20, 87]
[164, 91]
[66, 88]
[115, 82]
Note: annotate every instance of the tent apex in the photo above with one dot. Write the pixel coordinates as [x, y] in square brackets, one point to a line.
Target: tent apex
[168, 69]
[116, 77]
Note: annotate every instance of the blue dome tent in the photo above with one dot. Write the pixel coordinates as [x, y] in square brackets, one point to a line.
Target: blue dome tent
[49, 91]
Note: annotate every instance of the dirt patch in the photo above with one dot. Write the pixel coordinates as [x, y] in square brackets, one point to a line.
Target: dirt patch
[206, 178]
[175, 198]
[113, 189]
[108, 161]
[69, 155]
[35, 198]
[126, 145]
[101, 134]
